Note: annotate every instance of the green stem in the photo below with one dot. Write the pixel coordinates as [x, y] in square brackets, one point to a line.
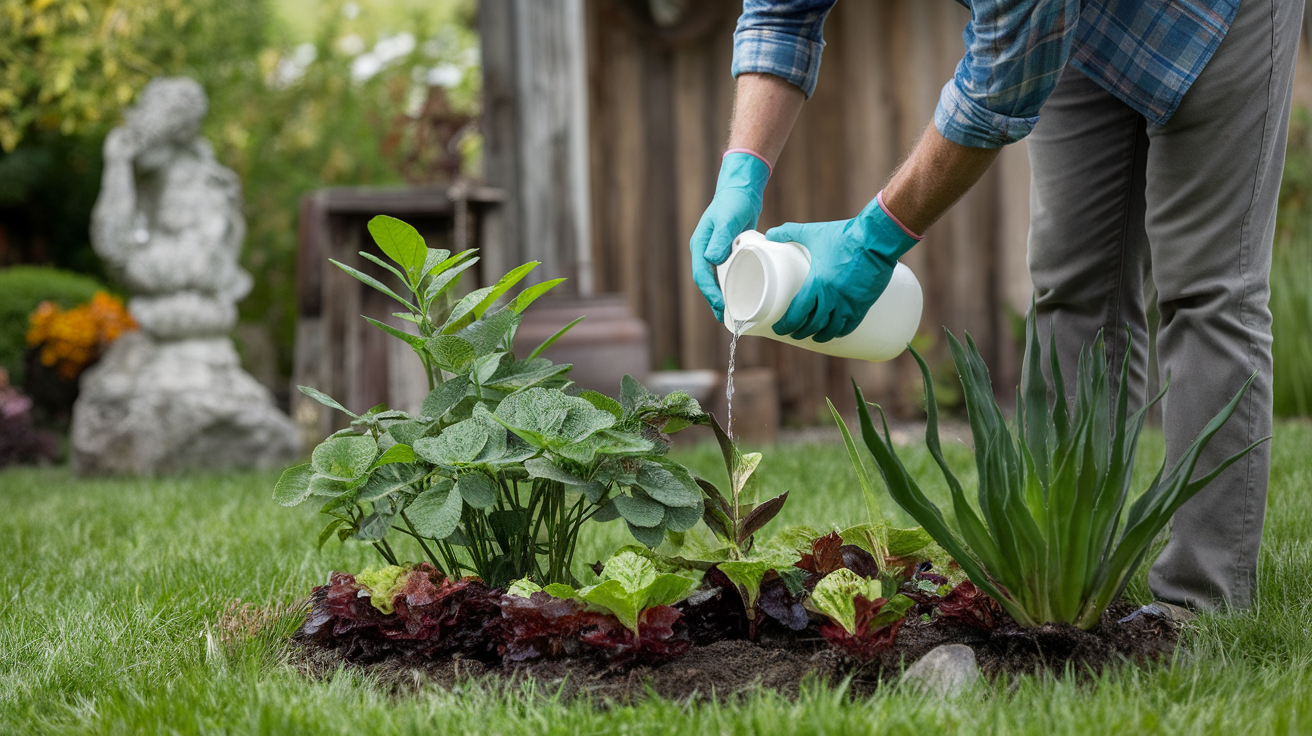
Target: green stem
[422, 544]
[387, 555]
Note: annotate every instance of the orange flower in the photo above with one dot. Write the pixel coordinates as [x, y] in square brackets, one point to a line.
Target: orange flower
[73, 339]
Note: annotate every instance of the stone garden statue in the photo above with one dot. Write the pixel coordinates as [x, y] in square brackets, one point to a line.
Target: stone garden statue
[168, 225]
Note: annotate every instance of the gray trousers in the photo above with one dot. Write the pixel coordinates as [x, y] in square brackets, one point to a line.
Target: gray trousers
[1115, 198]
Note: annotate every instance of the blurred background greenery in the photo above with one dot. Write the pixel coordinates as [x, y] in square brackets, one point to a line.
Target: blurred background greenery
[303, 94]
[312, 93]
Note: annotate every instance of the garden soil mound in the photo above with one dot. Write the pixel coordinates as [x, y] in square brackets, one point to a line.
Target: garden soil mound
[727, 669]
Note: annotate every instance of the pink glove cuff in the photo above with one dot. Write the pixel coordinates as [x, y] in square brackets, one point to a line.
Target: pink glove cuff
[751, 153]
[880, 199]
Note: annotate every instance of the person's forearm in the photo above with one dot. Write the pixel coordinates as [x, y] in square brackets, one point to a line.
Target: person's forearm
[936, 174]
[764, 110]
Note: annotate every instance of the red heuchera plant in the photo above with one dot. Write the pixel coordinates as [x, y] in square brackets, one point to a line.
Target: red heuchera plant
[543, 625]
[714, 612]
[967, 605]
[828, 553]
[870, 637]
[657, 640]
[443, 615]
[540, 625]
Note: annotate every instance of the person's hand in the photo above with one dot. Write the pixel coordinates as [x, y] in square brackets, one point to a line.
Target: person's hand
[734, 209]
[851, 264]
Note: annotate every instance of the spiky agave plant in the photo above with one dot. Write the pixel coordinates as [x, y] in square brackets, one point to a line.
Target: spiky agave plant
[1050, 541]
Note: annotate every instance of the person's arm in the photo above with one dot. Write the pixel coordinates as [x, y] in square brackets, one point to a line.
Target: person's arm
[764, 110]
[936, 174]
[1015, 53]
[776, 60]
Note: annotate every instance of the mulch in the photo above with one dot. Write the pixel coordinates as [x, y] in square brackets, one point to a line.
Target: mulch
[778, 661]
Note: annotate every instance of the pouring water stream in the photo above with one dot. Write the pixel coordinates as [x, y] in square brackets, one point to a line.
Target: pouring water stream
[739, 325]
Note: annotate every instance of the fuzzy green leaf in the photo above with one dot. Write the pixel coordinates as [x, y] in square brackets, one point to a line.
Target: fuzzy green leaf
[669, 483]
[632, 393]
[391, 479]
[681, 519]
[639, 511]
[398, 453]
[344, 458]
[443, 398]
[541, 467]
[452, 353]
[651, 537]
[294, 486]
[603, 402]
[435, 513]
[477, 489]
[325, 399]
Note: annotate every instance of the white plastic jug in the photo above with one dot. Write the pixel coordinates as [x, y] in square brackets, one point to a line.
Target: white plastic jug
[761, 277]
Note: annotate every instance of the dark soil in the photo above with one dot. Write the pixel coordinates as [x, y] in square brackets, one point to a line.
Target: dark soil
[727, 669]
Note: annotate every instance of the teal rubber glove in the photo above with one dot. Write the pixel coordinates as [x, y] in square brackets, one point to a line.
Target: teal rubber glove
[851, 264]
[734, 209]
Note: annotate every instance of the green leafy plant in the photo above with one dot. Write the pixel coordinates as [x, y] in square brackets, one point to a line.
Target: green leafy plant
[501, 467]
[22, 289]
[863, 621]
[1052, 540]
[630, 584]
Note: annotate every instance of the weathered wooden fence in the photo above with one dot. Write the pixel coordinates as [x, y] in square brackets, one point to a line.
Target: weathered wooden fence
[659, 110]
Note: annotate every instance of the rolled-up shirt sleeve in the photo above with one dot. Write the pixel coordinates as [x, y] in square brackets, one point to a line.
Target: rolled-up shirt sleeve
[783, 38]
[1015, 53]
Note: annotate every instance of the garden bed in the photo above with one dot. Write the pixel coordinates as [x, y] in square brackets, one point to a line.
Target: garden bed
[778, 660]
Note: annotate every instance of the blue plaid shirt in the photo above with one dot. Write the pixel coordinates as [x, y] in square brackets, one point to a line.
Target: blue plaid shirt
[1146, 52]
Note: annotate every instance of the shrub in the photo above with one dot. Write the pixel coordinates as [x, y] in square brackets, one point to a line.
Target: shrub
[1051, 541]
[502, 466]
[69, 340]
[22, 290]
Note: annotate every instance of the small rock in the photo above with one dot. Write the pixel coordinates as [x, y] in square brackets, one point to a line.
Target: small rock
[945, 670]
[1162, 610]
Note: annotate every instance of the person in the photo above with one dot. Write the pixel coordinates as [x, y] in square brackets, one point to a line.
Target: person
[1156, 138]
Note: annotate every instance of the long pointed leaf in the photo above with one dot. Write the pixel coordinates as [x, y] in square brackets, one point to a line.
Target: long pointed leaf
[550, 340]
[531, 294]
[504, 284]
[415, 341]
[874, 510]
[374, 283]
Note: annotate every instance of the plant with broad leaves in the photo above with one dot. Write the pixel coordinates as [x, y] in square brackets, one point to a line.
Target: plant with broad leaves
[502, 466]
[862, 621]
[1052, 540]
[633, 592]
[630, 584]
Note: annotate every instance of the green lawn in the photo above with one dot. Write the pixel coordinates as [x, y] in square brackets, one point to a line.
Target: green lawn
[111, 589]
